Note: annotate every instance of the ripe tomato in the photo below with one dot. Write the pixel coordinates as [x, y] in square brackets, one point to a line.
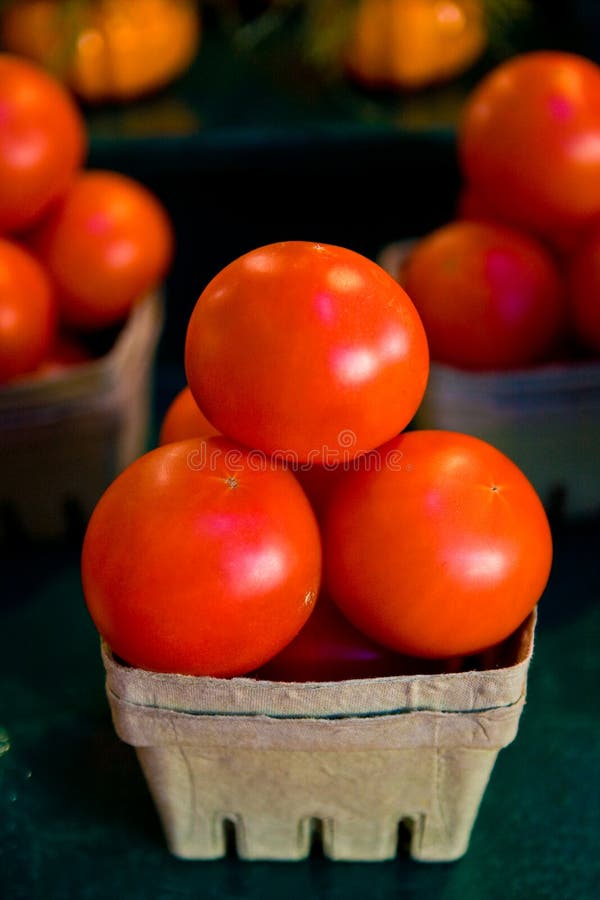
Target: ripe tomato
[183, 419]
[438, 546]
[583, 279]
[27, 312]
[329, 648]
[106, 244]
[306, 348]
[199, 560]
[489, 297]
[529, 140]
[42, 142]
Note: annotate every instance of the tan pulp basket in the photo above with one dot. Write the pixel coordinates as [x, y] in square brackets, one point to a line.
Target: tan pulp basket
[545, 418]
[64, 438]
[353, 758]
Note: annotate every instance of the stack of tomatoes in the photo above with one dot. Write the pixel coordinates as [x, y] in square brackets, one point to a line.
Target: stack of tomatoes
[78, 248]
[289, 525]
[515, 280]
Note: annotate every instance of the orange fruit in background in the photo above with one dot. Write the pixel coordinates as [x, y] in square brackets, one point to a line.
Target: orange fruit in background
[409, 44]
[106, 49]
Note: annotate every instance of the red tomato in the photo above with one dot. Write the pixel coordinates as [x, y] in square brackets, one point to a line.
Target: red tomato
[529, 140]
[438, 547]
[106, 244]
[183, 419]
[489, 297]
[27, 312]
[42, 142]
[306, 348]
[329, 648]
[199, 560]
[583, 278]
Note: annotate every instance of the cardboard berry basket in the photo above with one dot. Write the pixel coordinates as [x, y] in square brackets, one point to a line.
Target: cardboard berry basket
[546, 418]
[65, 437]
[352, 760]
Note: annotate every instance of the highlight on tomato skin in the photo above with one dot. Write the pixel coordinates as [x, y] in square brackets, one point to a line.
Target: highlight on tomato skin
[438, 546]
[308, 349]
[199, 561]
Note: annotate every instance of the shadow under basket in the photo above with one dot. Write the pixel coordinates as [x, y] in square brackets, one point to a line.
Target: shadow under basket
[65, 437]
[546, 418]
[354, 762]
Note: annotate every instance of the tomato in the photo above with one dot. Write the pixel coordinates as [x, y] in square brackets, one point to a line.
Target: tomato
[306, 349]
[489, 297]
[201, 559]
[438, 546]
[183, 419]
[329, 648]
[583, 279]
[529, 140]
[106, 244]
[42, 142]
[27, 312]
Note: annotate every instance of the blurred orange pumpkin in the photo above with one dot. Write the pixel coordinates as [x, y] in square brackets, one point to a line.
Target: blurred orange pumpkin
[409, 44]
[106, 49]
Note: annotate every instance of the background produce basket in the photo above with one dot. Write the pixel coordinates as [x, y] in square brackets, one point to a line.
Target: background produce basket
[352, 760]
[64, 438]
[545, 418]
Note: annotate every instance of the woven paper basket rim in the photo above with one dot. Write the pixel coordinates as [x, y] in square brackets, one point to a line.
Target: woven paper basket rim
[470, 691]
[89, 379]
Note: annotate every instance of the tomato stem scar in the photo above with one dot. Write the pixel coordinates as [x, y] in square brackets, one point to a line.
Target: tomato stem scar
[231, 482]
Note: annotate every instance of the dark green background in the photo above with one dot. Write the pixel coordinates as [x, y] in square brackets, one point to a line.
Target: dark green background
[244, 151]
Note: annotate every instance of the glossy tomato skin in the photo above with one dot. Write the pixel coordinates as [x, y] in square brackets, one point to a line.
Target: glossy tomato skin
[106, 244]
[27, 312]
[529, 141]
[583, 279]
[306, 348]
[329, 648]
[184, 419]
[441, 548]
[199, 560]
[489, 297]
[42, 142]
